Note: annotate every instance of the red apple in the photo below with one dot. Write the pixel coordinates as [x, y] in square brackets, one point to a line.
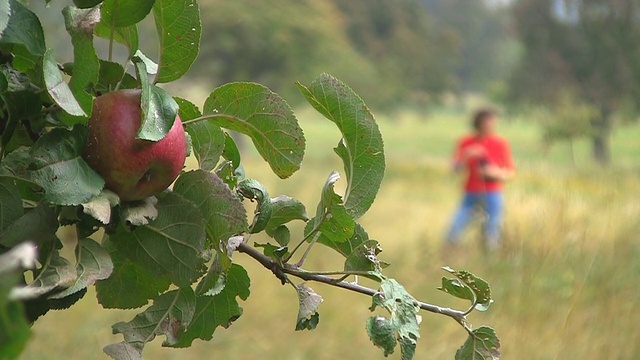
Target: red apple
[132, 168]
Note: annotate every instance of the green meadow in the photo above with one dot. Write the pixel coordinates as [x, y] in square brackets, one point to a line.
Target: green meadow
[566, 282]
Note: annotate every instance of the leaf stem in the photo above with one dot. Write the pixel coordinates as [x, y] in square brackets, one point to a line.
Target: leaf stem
[202, 118]
[280, 271]
[308, 249]
[112, 30]
[304, 239]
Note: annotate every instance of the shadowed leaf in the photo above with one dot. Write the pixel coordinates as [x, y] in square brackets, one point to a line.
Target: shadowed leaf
[10, 203]
[223, 212]
[171, 245]
[60, 170]
[130, 285]
[118, 13]
[18, 25]
[221, 309]
[168, 316]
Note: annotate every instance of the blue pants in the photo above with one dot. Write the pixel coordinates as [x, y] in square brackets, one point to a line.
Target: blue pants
[492, 204]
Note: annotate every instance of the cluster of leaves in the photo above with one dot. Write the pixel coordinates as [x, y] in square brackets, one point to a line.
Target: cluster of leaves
[176, 249]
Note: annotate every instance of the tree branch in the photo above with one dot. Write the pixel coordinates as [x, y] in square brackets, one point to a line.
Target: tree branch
[281, 271]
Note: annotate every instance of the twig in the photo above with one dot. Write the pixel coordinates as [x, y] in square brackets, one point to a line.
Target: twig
[281, 272]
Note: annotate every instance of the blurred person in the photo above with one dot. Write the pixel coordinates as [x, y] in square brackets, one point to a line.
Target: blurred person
[485, 158]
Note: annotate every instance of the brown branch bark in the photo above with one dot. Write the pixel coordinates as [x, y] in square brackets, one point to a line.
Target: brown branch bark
[281, 272]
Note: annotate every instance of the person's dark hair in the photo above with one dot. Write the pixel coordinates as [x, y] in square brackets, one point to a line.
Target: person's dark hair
[482, 115]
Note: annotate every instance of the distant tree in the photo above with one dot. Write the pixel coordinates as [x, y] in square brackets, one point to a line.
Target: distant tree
[365, 42]
[485, 47]
[587, 46]
[569, 119]
[404, 43]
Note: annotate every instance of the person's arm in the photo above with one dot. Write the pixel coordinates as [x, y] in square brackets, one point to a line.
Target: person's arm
[464, 153]
[503, 172]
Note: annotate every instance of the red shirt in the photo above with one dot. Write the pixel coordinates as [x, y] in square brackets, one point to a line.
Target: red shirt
[497, 153]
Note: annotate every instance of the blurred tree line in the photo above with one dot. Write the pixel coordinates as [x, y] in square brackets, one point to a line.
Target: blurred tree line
[393, 53]
[567, 57]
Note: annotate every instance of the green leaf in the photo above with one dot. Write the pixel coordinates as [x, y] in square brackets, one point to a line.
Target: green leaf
[168, 316]
[112, 74]
[231, 152]
[159, 109]
[253, 190]
[208, 141]
[332, 221]
[37, 225]
[79, 24]
[127, 35]
[171, 245]
[207, 138]
[186, 109]
[361, 148]
[284, 210]
[83, 4]
[223, 212]
[482, 343]
[403, 322]
[93, 263]
[15, 166]
[362, 253]
[219, 310]
[23, 60]
[281, 234]
[256, 111]
[215, 279]
[20, 105]
[60, 170]
[10, 203]
[118, 13]
[308, 303]
[59, 91]
[22, 28]
[456, 288]
[130, 285]
[478, 286]
[272, 251]
[382, 333]
[178, 26]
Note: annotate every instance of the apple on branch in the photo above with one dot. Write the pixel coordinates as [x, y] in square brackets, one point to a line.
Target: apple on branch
[132, 168]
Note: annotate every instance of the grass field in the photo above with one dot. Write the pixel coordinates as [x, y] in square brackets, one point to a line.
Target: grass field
[566, 283]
